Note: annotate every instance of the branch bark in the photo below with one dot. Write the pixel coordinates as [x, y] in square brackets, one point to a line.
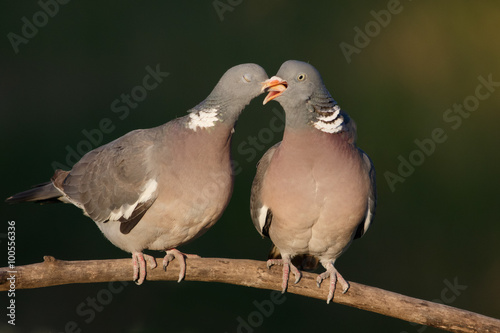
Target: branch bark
[254, 274]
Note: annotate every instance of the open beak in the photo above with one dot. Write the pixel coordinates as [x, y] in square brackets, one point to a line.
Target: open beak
[275, 86]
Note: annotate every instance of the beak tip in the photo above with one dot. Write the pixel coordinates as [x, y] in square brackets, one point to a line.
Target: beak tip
[275, 86]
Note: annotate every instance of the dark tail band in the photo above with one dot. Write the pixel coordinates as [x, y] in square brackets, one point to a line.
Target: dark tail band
[42, 193]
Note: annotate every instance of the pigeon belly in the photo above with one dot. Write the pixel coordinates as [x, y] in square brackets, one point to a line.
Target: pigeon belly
[189, 201]
[317, 190]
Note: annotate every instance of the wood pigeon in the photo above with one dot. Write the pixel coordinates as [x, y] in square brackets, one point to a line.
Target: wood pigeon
[314, 192]
[162, 187]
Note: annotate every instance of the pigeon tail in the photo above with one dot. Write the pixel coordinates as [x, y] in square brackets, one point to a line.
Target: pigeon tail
[42, 193]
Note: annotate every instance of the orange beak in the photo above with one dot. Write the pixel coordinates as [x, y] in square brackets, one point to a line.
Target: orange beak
[275, 86]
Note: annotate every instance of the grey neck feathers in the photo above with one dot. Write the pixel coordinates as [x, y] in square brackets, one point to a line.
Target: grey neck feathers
[322, 114]
[215, 109]
[326, 114]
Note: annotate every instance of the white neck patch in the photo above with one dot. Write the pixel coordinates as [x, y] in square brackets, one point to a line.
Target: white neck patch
[203, 119]
[330, 123]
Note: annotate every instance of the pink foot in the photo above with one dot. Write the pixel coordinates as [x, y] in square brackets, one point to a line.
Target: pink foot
[176, 254]
[140, 266]
[334, 277]
[287, 266]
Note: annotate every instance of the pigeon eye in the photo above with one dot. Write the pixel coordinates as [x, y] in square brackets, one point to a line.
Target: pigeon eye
[247, 78]
[301, 77]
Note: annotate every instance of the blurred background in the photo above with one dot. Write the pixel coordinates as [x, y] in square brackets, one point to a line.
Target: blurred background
[412, 61]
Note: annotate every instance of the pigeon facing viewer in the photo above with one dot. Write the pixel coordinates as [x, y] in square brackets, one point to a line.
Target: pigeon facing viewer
[314, 192]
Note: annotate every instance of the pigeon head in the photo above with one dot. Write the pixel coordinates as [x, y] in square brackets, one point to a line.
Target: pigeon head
[296, 82]
[240, 84]
[235, 89]
[299, 88]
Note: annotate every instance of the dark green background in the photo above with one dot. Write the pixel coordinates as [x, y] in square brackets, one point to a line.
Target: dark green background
[440, 224]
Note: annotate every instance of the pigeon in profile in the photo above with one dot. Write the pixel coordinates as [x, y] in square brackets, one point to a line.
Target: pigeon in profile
[162, 187]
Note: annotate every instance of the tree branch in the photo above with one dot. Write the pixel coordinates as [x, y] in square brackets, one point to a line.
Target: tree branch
[254, 274]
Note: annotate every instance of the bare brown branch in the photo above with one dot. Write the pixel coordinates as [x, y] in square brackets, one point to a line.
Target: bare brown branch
[254, 274]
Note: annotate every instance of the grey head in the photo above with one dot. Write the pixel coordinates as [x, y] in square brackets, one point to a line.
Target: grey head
[299, 88]
[235, 89]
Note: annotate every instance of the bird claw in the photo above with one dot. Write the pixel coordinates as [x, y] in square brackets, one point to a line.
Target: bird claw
[297, 273]
[334, 277]
[139, 263]
[176, 254]
[272, 262]
[287, 266]
[168, 258]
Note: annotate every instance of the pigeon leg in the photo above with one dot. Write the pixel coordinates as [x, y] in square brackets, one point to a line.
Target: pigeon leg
[287, 266]
[176, 254]
[334, 275]
[139, 263]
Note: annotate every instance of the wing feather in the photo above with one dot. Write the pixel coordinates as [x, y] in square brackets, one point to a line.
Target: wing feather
[261, 214]
[116, 181]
